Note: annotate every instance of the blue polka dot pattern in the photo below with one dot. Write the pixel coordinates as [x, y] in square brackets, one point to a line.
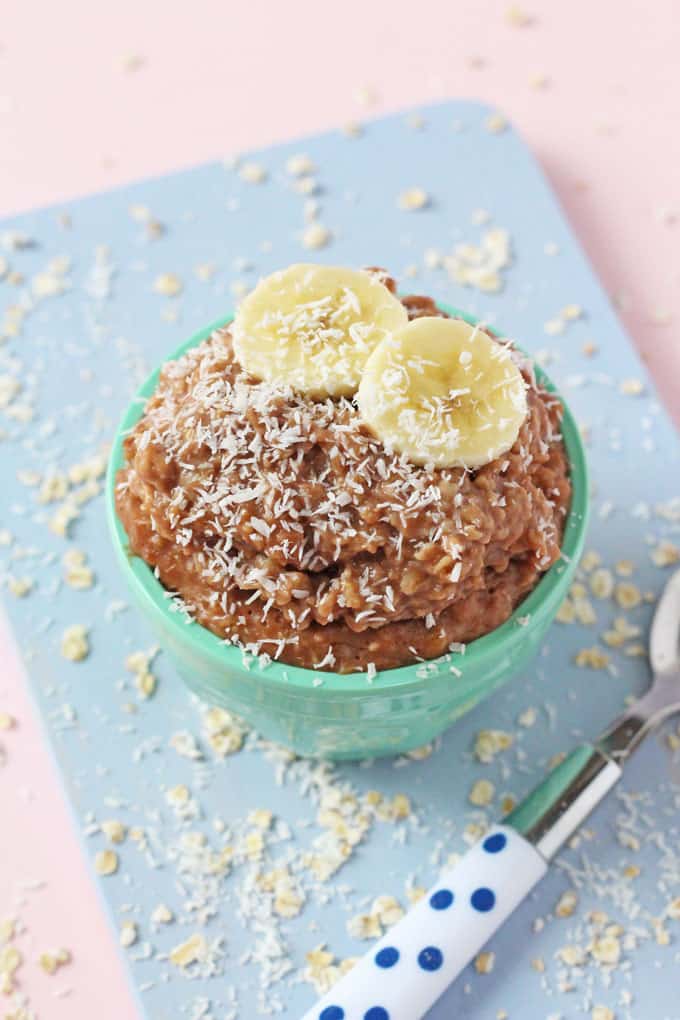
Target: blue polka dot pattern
[432, 944]
[483, 900]
[441, 899]
[387, 957]
[430, 958]
[494, 844]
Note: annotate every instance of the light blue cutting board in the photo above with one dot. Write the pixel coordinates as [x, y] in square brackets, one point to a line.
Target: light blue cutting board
[80, 356]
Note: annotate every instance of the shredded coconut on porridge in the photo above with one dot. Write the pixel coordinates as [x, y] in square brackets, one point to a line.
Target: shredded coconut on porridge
[285, 526]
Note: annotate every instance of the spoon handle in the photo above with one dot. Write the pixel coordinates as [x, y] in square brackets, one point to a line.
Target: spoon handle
[408, 969]
[404, 973]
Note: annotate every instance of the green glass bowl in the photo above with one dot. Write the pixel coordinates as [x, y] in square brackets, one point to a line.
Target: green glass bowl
[345, 716]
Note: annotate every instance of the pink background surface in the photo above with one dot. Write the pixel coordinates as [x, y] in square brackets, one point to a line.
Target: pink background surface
[216, 77]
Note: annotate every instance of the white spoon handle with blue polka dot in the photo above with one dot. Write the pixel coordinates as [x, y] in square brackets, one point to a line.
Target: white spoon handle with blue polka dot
[409, 968]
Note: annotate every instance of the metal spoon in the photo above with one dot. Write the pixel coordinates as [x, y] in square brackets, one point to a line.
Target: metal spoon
[409, 968]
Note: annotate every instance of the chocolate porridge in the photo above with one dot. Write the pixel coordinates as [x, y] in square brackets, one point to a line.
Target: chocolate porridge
[284, 526]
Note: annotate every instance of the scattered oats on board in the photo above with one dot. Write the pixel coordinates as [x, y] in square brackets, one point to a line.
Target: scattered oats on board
[489, 743]
[106, 862]
[567, 903]
[482, 793]
[252, 173]
[484, 962]
[50, 962]
[412, 199]
[415, 893]
[528, 717]
[77, 573]
[415, 121]
[400, 806]
[307, 186]
[606, 948]
[387, 909]
[572, 955]
[194, 949]
[162, 914]
[593, 658]
[602, 1013]
[300, 165]
[74, 643]
[665, 554]
[495, 123]
[627, 595]
[128, 934]
[602, 583]
[352, 129]
[316, 236]
[114, 830]
[138, 663]
[205, 271]
[323, 970]
[632, 387]
[20, 587]
[186, 745]
[288, 899]
[223, 731]
[364, 926]
[168, 284]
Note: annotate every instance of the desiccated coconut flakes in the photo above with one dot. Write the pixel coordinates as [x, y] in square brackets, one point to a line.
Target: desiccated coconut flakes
[480, 266]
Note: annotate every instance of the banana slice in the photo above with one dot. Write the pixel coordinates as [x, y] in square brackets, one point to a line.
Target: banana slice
[313, 327]
[443, 392]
